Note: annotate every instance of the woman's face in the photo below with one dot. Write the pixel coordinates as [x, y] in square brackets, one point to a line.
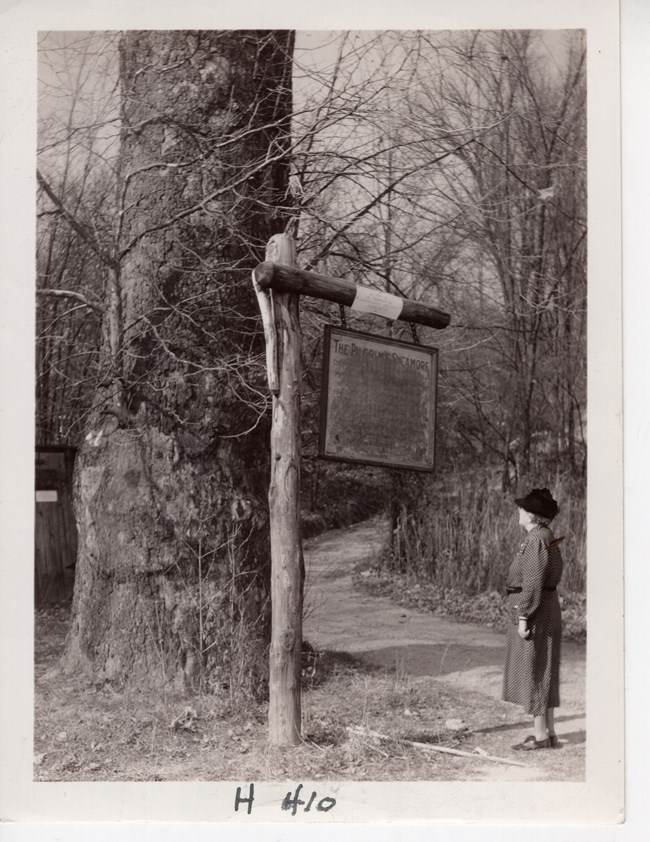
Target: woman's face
[525, 518]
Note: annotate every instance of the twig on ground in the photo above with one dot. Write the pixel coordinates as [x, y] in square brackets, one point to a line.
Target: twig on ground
[430, 747]
[378, 750]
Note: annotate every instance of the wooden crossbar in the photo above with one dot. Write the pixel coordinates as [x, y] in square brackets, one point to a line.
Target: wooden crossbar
[289, 279]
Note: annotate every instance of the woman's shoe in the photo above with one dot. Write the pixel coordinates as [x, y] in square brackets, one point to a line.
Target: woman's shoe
[531, 744]
[553, 740]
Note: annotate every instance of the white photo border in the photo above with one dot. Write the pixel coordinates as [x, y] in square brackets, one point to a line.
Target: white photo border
[600, 798]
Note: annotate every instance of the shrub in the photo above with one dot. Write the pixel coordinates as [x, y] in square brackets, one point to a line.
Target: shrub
[462, 532]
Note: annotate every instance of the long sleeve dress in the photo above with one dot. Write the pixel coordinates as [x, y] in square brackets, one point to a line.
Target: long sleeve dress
[531, 676]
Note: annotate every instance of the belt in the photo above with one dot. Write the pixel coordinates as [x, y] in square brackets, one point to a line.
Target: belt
[519, 590]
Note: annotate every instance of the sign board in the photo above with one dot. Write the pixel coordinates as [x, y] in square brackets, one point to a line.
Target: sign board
[46, 497]
[378, 400]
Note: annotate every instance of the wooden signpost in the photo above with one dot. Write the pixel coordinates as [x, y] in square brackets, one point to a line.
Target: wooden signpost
[278, 285]
[282, 332]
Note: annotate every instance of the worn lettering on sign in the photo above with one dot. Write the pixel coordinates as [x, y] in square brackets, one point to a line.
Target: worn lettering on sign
[378, 400]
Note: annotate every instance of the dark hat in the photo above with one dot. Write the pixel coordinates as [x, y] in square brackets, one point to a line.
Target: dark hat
[539, 502]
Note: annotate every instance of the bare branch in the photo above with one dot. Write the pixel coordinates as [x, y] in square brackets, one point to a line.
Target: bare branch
[77, 296]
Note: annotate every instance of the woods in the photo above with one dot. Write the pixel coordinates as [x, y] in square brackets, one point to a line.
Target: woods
[446, 167]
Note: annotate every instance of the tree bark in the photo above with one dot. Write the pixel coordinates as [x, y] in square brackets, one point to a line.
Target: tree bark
[173, 567]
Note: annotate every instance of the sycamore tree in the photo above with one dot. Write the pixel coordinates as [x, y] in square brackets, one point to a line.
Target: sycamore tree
[193, 163]
[171, 579]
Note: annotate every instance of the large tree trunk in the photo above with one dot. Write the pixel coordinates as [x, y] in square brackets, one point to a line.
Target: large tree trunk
[173, 566]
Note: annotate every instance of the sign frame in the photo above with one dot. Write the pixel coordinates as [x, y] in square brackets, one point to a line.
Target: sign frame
[325, 420]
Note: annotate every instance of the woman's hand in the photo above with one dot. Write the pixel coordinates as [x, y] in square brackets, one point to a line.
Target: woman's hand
[524, 631]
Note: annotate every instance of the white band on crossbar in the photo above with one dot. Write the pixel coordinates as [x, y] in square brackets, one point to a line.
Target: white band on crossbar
[369, 300]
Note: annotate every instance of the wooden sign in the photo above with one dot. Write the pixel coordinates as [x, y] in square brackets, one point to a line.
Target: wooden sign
[47, 496]
[378, 400]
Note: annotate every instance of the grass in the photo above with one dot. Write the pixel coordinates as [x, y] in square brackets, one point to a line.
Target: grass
[94, 733]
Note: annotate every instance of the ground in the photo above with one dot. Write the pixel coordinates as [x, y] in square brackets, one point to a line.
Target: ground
[379, 669]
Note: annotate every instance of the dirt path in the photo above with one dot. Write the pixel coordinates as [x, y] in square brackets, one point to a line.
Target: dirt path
[341, 618]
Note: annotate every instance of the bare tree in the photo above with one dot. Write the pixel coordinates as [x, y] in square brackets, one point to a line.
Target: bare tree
[77, 136]
[519, 189]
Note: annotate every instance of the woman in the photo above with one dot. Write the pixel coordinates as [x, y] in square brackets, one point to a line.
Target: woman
[532, 672]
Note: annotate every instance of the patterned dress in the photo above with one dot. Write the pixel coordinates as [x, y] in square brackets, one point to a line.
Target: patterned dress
[532, 672]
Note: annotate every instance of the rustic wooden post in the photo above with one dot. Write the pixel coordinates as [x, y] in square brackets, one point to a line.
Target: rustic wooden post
[278, 285]
[280, 313]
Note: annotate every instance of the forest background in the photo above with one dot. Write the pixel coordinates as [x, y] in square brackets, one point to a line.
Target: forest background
[446, 167]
